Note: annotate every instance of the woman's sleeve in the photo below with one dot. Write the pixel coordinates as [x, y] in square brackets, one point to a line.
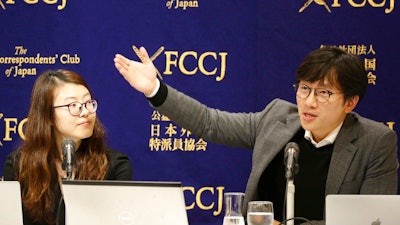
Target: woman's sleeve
[10, 167]
[120, 167]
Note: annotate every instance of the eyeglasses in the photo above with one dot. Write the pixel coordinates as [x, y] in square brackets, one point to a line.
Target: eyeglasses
[322, 95]
[75, 108]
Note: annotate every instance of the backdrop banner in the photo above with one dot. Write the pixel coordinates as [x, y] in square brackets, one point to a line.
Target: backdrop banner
[232, 55]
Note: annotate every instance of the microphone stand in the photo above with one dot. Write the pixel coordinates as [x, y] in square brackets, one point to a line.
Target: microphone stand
[290, 160]
[290, 201]
[69, 171]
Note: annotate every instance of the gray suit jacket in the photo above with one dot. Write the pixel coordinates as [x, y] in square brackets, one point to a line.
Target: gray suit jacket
[364, 158]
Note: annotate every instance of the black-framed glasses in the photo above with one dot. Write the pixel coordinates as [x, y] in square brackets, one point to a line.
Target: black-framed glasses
[322, 95]
[75, 108]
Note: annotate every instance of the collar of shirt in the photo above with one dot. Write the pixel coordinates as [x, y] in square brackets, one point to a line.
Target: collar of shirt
[327, 140]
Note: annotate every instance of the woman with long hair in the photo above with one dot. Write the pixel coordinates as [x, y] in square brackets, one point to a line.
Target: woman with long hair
[62, 107]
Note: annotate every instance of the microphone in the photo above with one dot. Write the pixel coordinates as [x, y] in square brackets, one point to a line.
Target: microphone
[290, 159]
[68, 149]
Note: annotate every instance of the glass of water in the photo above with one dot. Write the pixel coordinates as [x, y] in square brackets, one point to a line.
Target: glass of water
[233, 208]
[260, 213]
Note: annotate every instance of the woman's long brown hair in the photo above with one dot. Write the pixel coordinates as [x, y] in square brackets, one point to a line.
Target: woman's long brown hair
[37, 171]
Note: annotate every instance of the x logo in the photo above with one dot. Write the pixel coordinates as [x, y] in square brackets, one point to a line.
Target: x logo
[153, 57]
[2, 5]
[319, 2]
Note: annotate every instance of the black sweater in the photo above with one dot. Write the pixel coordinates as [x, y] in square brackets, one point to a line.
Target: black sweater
[119, 168]
[309, 182]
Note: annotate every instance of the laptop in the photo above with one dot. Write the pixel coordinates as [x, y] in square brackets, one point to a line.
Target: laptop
[10, 203]
[363, 209]
[124, 203]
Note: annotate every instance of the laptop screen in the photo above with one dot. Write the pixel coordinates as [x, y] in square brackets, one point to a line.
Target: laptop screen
[362, 209]
[10, 203]
[124, 202]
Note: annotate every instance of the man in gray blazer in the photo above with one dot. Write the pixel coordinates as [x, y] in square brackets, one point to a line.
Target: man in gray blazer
[341, 152]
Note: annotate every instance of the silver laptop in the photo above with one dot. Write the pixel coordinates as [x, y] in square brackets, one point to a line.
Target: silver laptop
[10, 203]
[363, 209]
[124, 203]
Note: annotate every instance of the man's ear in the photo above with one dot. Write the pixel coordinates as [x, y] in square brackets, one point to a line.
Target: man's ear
[351, 103]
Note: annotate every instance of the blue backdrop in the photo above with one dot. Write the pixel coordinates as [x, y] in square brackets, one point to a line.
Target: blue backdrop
[233, 55]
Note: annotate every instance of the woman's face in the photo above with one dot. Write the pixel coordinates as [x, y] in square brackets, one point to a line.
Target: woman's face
[66, 125]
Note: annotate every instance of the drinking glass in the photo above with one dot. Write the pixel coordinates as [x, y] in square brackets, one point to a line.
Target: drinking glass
[233, 208]
[260, 213]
